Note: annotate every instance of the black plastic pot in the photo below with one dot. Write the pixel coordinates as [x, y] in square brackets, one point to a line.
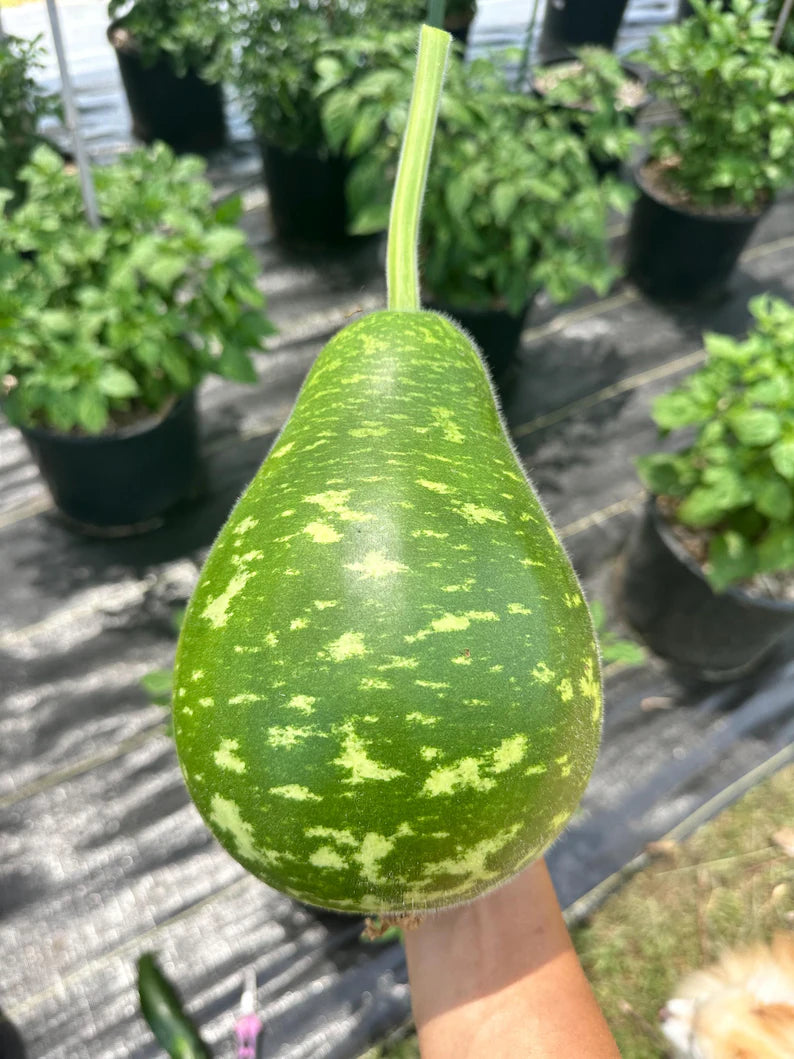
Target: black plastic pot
[568, 24]
[122, 482]
[675, 254]
[667, 600]
[496, 331]
[307, 195]
[184, 112]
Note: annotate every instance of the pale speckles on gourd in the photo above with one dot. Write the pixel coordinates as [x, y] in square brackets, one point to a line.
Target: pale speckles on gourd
[434, 684]
[429, 753]
[467, 586]
[197, 674]
[297, 624]
[415, 717]
[325, 604]
[565, 689]
[434, 487]
[461, 660]
[245, 525]
[321, 533]
[226, 758]
[468, 772]
[373, 849]
[342, 838]
[572, 600]
[295, 792]
[399, 662]
[290, 735]
[303, 703]
[374, 684]
[217, 610]
[355, 759]
[463, 775]
[429, 533]
[206, 701]
[281, 450]
[325, 857]
[225, 814]
[334, 502]
[471, 864]
[369, 432]
[478, 515]
[591, 689]
[450, 431]
[518, 608]
[536, 770]
[375, 564]
[349, 645]
[542, 673]
[271, 639]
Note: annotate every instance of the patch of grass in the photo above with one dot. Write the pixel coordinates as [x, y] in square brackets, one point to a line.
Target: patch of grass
[726, 886]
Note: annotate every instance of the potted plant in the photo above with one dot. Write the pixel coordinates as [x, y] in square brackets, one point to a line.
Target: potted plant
[105, 333]
[567, 24]
[713, 170]
[458, 18]
[709, 573]
[602, 97]
[499, 225]
[171, 55]
[278, 71]
[23, 103]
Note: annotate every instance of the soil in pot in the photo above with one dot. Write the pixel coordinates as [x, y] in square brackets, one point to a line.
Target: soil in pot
[496, 332]
[307, 195]
[121, 482]
[668, 601]
[184, 112]
[679, 251]
[569, 23]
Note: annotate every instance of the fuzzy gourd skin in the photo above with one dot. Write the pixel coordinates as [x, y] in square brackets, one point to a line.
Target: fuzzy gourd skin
[387, 692]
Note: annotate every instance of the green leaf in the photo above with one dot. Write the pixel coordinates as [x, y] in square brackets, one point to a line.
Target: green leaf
[91, 411]
[117, 382]
[165, 270]
[221, 243]
[756, 426]
[159, 684]
[774, 499]
[674, 410]
[707, 504]
[782, 456]
[660, 473]
[235, 363]
[731, 559]
[504, 199]
[776, 550]
[229, 211]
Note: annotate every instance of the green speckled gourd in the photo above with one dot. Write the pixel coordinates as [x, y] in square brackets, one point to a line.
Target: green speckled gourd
[387, 691]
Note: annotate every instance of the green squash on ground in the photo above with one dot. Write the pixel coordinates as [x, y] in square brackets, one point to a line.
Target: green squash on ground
[387, 688]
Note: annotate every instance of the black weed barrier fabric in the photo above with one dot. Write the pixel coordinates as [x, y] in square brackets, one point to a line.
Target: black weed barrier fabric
[102, 855]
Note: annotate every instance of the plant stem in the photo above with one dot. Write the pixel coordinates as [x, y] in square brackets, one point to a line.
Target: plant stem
[73, 119]
[402, 265]
[780, 25]
[526, 53]
[435, 13]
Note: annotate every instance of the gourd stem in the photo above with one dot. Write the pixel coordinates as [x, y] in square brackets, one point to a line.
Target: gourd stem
[435, 13]
[402, 265]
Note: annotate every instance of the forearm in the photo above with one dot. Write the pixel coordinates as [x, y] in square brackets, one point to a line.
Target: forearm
[499, 979]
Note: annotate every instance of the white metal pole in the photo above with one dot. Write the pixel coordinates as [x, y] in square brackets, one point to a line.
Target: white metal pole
[73, 120]
[782, 19]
